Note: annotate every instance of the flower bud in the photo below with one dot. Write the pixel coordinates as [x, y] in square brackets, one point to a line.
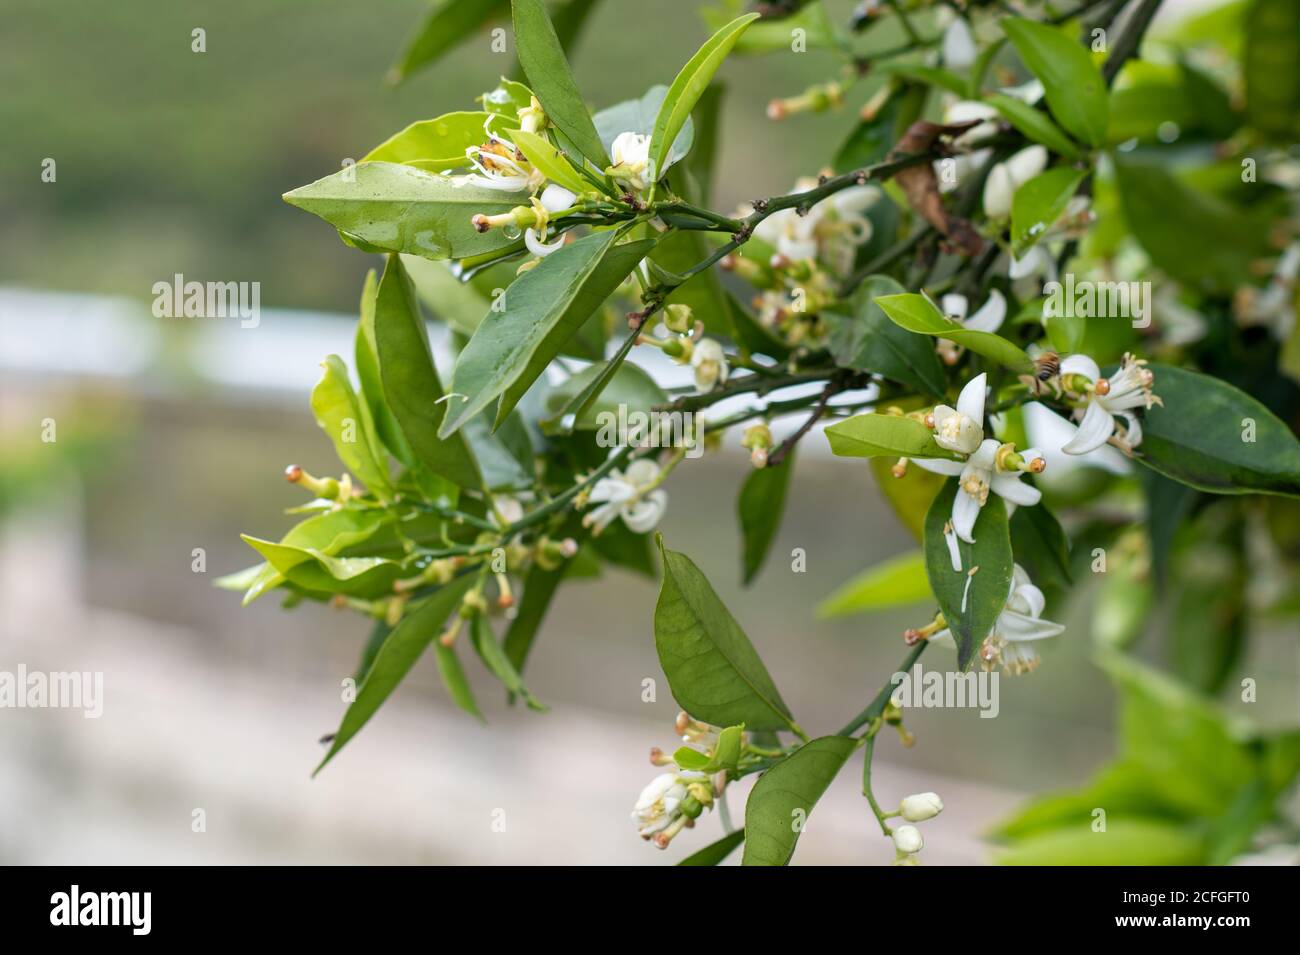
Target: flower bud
[907, 839]
[678, 318]
[920, 806]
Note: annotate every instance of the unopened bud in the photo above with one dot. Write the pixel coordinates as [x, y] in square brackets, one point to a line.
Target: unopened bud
[920, 807]
[907, 839]
[678, 318]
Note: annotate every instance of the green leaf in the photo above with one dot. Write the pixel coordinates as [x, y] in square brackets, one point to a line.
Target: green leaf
[774, 33]
[760, 506]
[916, 313]
[927, 75]
[398, 208]
[868, 341]
[715, 852]
[1163, 212]
[448, 25]
[445, 297]
[340, 415]
[544, 63]
[372, 389]
[1041, 546]
[688, 87]
[323, 573]
[895, 436]
[1074, 86]
[543, 308]
[403, 647]
[628, 387]
[784, 796]
[507, 99]
[410, 380]
[1272, 29]
[437, 144]
[1039, 203]
[897, 582]
[714, 671]
[1133, 841]
[970, 602]
[1035, 124]
[494, 657]
[455, 680]
[1199, 437]
[550, 161]
[910, 495]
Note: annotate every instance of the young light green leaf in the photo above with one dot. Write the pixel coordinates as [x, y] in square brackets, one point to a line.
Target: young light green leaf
[543, 308]
[897, 582]
[1039, 203]
[1131, 841]
[342, 417]
[550, 161]
[403, 647]
[867, 340]
[1074, 86]
[972, 598]
[410, 381]
[760, 507]
[689, 86]
[1211, 436]
[784, 797]
[544, 63]
[916, 313]
[441, 143]
[1034, 123]
[327, 533]
[715, 852]
[324, 574]
[873, 435]
[455, 680]
[396, 208]
[713, 670]
[448, 25]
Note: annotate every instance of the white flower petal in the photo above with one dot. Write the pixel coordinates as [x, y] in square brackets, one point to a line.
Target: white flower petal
[965, 509]
[990, 315]
[1015, 490]
[958, 46]
[1094, 430]
[954, 305]
[1020, 627]
[556, 198]
[971, 400]
[1080, 365]
[645, 513]
[939, 466]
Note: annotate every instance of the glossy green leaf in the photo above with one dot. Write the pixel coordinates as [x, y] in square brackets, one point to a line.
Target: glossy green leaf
[783, 798]
[760, 507]
[507, 99]
[688, 87]
[340, 415]
[321, 573]
[918, 314]
[1039, 203]
[1211, 436]
[1272, 51]
[410, 380]
[448, 25]
[540, 585]
[544, 63]
[866, 340]
[1041, 546]
[1035, 124]
[1074, 86]
[897, 582]
[405, 644]
[970, 602]
[398, 208]
[873, 435]
[715, 852]
[444, 296]
[550, 161]
[440, 143]
[372, 389]
[328, 533]
[543, 309]
[494, 657]
[713, 670]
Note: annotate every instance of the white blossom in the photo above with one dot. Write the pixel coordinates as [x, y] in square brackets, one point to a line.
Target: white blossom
[961, 429]
[634, 496]
[1121, 395]
[907, 839]
[709, 363]
[630, 153]
[920, 806]
[1019, 625]
[1006, 177]
[977, 476]
[987, 318]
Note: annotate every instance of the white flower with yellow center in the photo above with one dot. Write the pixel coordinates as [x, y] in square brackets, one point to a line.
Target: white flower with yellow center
[635, 497]
[1019, 626]
[553, 199]
[961, 429]
[831, 229]
[1128, 390]
[669, 803]
[992, 468]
